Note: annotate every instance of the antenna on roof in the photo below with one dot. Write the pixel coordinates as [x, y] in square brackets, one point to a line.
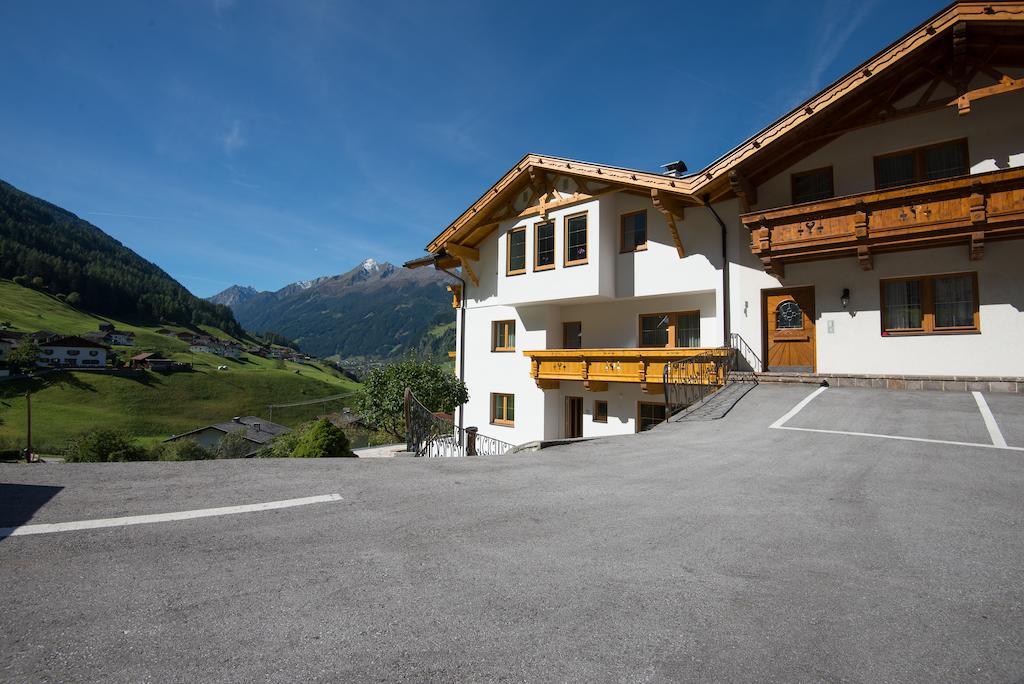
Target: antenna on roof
[676, 168]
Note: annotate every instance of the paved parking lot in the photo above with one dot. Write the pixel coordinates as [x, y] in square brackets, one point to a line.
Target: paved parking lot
[716, 550]
[952, 417]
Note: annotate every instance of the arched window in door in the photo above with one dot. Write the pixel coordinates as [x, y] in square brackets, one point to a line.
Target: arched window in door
[788, 316]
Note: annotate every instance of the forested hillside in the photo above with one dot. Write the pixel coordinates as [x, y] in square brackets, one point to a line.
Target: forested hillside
[54, 251]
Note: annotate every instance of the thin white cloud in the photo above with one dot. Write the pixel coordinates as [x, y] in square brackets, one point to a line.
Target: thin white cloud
[221, 6]
[840, 19]
[234, 140]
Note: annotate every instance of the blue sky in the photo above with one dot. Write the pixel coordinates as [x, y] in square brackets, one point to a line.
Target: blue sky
[261, 143]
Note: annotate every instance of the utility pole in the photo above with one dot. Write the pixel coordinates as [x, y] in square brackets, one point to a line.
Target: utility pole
[28, 410]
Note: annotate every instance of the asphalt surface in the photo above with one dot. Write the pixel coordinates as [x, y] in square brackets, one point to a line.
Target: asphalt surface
[707, 550]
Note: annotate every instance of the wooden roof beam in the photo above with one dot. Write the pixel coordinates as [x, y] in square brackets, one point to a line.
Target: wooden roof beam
[672, 209]
[744, 189]
[462, 251]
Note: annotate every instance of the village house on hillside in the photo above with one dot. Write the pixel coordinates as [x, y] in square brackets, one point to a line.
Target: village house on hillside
[72, 352]
[109, 335]
[258, 432]
[873, 231]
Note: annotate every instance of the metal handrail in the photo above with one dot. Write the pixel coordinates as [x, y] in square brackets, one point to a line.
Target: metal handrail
[744, 352]
[431, 435]
[687, 381]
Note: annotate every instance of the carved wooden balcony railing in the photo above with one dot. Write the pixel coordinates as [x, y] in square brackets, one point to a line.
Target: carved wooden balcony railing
[597, 367]
[967, 210]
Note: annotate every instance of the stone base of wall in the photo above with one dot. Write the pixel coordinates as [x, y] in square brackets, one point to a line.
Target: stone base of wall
[937, 383]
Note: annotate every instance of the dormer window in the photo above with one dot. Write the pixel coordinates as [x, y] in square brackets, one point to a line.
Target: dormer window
[576, 240]
[516, 262]
[812, 186]
[544, 247]
[933, 162]
[633, 229]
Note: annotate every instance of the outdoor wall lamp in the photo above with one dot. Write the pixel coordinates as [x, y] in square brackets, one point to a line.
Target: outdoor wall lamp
[844, 298]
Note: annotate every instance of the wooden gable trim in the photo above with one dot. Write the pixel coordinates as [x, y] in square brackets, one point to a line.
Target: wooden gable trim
[532, 172]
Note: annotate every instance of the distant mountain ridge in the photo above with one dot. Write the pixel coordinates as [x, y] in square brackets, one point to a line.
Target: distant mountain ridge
[373, 310]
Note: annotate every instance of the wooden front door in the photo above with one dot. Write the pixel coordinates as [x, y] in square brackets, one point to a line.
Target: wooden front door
[573, 417]
[789, 329]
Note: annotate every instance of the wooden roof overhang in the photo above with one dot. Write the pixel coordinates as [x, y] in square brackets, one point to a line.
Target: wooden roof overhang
[953, 46]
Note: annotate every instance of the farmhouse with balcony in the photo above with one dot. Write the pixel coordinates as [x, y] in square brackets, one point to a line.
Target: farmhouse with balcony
[72, 352]
[873, 230]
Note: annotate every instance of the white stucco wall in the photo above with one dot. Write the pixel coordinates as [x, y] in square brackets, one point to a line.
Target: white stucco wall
[506, 372]
[856, 345]
[622, 401]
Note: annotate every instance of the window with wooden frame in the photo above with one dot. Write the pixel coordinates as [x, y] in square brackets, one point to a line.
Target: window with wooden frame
[515, 260]
[930, 305]
[648, 415]
[572, 335]
[576, 239]
[503, 336]
[675, 329]
[544, 246]
[931, 162]
[600, 411]
[812, 186]
[633, 231]
[503, 409]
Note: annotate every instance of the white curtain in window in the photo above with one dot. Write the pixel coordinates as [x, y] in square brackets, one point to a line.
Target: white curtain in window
[903, 305]
[954, 302]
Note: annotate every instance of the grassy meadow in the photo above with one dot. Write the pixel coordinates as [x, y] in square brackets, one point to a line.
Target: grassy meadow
[152, 406]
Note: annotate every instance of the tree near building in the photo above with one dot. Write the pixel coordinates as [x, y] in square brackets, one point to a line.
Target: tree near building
[24, 356]
[382, 399]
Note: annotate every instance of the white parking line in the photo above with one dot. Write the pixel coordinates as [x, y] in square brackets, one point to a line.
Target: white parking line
[162, 517]
[997, 438]
[799, 407]
[990, 421]
[905, 439]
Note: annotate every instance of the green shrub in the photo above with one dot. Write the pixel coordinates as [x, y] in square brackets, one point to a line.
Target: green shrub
[322, 439]
[282, 446]
[315, 439]
[103, 445]
[182, 450]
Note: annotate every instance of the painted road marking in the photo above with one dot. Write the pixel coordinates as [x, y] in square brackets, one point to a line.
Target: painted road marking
[997, 437]
[163, 517]
[990, 421]
[799, 407]
[906, 439]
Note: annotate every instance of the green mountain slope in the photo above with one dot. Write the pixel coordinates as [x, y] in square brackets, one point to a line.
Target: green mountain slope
[152, 406]
[68, 256]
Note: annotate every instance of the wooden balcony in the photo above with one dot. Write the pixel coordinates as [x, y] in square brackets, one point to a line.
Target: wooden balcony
[968, 210]
[597, 367]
